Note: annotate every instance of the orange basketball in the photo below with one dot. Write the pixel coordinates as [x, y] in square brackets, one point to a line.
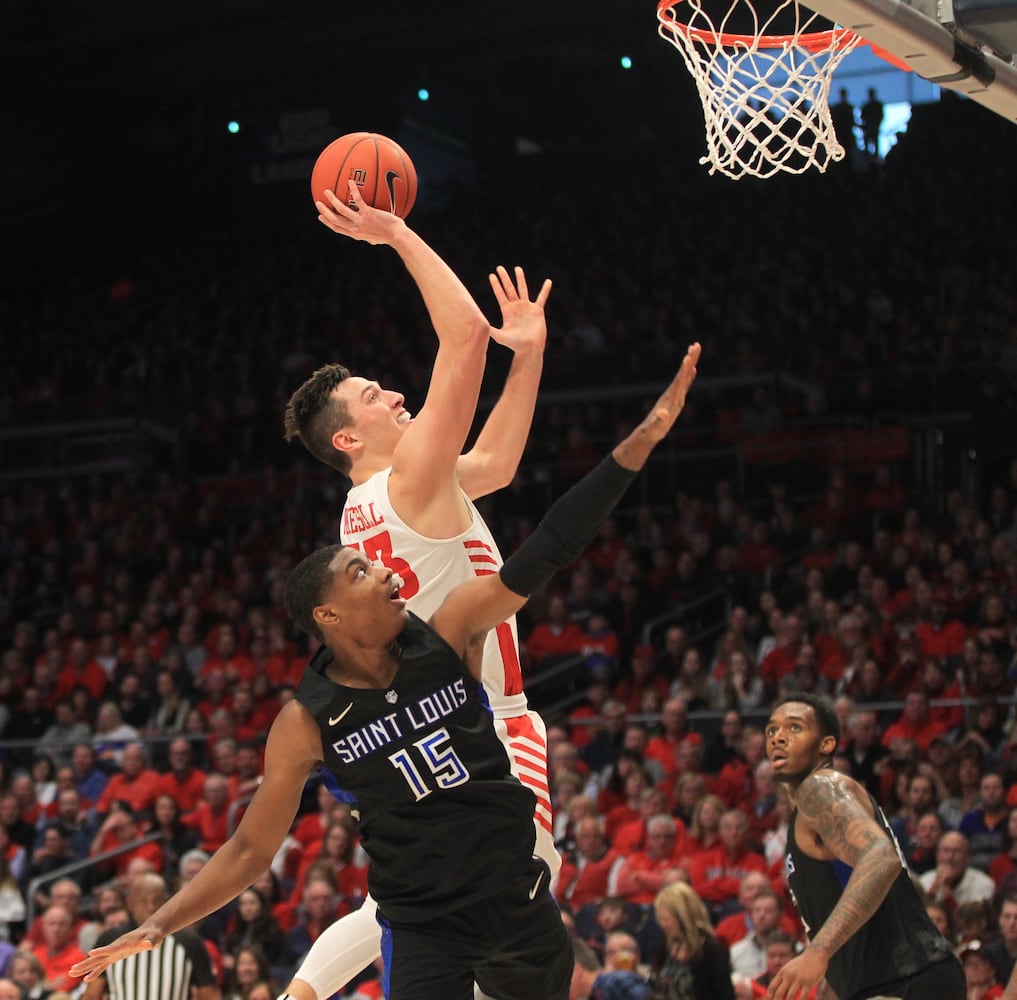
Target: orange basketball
[384, 173]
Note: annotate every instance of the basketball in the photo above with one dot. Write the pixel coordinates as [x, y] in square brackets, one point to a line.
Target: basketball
[384, 173]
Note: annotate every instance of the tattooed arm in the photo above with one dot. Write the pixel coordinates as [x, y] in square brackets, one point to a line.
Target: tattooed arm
[831, 811]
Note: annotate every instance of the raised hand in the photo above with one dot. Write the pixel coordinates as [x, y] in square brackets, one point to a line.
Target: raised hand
[634, 450]
[523, 323]
[370, 225]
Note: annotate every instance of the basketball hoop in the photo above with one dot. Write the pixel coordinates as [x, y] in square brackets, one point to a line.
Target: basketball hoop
[766, 96]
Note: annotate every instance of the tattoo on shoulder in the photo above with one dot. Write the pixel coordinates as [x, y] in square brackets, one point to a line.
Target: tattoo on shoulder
[840, 820]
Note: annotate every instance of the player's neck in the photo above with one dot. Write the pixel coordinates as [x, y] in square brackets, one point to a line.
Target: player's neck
[793, 786]
[367, 466]
[359, 666]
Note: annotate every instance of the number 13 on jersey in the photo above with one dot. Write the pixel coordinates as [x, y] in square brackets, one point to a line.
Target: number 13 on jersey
[379, 548]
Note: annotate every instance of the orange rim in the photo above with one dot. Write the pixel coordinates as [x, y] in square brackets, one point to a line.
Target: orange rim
[813, 41]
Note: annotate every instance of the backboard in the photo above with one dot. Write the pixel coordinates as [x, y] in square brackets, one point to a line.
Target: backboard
[966, 46]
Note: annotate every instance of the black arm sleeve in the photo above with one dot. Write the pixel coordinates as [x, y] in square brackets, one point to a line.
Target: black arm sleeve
[567, 528]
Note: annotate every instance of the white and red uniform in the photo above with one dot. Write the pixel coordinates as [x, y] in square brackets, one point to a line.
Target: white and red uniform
[430, 568]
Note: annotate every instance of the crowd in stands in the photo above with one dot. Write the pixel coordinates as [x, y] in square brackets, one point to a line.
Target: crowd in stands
[145, 650]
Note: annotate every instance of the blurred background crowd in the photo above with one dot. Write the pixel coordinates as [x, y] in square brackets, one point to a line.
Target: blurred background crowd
[835, 513]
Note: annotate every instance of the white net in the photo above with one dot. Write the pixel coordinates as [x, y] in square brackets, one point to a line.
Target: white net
[766, 95]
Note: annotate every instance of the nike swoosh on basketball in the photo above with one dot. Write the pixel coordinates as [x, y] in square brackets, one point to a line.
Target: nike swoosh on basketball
[536, 886]
[334, 721]
[390, 176]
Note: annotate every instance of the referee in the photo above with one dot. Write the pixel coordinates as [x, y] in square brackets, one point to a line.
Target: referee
[168, 972]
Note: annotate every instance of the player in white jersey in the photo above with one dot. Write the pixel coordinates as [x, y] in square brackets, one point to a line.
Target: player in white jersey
[411, 507]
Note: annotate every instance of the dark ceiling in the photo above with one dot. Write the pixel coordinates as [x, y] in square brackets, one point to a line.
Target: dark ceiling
[193, 46]
[100, 84]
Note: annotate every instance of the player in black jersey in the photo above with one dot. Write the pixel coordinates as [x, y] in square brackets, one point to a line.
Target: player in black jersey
[392, 709]
[869, 934]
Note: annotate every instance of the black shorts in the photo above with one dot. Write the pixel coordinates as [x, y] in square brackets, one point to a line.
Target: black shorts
[513, 945]
[942, 981]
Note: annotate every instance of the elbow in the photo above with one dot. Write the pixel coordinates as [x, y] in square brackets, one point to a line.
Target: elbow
[250, 855]
[500, 475]
[478, 334]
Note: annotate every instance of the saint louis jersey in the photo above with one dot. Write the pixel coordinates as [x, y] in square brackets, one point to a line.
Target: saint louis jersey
[898, 940]
[441, 817]
[430, 568]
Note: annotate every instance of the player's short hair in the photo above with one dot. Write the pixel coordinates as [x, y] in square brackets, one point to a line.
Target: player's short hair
[314, 413]
[305, 586]
[829, 724]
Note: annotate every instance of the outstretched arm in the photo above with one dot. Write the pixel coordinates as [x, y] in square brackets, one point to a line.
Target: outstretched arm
[292, 751]
[475, 607]
[492, 461]
[847, 829]
[423, 487]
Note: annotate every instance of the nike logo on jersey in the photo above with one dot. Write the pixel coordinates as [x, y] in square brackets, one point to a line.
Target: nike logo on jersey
[334, 721]
[536, 886]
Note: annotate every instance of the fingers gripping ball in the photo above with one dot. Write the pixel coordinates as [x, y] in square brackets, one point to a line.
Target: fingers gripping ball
[384, 173]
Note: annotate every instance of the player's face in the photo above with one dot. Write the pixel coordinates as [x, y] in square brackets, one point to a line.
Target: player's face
[377, 415]
[793, 741]
[365, 598]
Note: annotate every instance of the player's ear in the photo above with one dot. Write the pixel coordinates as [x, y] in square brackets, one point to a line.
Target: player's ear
[326, 615]
[828, 745]
[345, 440]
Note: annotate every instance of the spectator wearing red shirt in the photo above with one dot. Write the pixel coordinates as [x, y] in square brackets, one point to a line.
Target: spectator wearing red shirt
[833, 661]
[915, 723]
[737, 925]
[905, 673]
[674, 722]
[716, 873]
[641, 876]
[285, 661]
[63, 892]
[582, 718]
[642, 677]
[82, 671]
[781, 660]
[212, 815]
[939, 686]
[558, 638]
[135, 784]
[630, 837]
[335, 851]
[734, 784]
[215, 694]
[584, 872]
[249, 722]
[121, 827]
[310, 828]
[228, 657]
[940, 635]
[183, 782]
[59, 950]
[634, 784]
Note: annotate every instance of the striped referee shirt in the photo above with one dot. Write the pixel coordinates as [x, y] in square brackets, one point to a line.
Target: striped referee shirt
[165, 973]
